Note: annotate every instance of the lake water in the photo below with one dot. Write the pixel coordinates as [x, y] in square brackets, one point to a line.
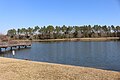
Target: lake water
[101, 55]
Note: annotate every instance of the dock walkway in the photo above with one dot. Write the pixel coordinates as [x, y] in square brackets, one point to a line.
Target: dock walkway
[12, 44]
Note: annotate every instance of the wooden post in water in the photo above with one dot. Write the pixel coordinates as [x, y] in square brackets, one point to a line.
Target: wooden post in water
[18, 47]
[11, 48]
[5, 48]
[0, 50]
[25, 46]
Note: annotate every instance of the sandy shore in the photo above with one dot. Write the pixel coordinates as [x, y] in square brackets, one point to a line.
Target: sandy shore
[13, 69]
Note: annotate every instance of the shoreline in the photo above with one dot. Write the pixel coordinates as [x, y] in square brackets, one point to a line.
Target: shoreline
[79, 39]
[16, 69]
[74, 39]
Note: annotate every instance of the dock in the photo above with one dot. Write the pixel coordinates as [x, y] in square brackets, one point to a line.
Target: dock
[14, 44]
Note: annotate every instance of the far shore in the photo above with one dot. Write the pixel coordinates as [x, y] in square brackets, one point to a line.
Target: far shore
[79, 39]
[74, 39]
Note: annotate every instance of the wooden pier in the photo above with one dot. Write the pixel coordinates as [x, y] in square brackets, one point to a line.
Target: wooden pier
[14, 44]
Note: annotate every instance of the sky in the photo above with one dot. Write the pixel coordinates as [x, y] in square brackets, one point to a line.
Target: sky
[29, 13]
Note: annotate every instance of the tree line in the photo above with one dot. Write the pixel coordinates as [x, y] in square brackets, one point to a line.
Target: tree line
[59, 32]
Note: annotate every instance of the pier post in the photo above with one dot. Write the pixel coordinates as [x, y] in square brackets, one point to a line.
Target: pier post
[18, 47]
[0, 50]
[11, 48]
[25, 46]
[5, 48]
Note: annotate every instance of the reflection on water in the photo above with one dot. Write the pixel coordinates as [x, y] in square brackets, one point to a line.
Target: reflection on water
[103, 55]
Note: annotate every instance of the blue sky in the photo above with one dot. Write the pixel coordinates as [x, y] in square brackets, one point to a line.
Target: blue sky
[29, 13]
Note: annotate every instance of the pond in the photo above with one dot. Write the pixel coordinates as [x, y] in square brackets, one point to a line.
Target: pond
[101, 55]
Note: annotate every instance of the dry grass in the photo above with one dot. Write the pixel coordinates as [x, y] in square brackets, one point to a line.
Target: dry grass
[12, 69]
[80, 39]
[73, 39]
